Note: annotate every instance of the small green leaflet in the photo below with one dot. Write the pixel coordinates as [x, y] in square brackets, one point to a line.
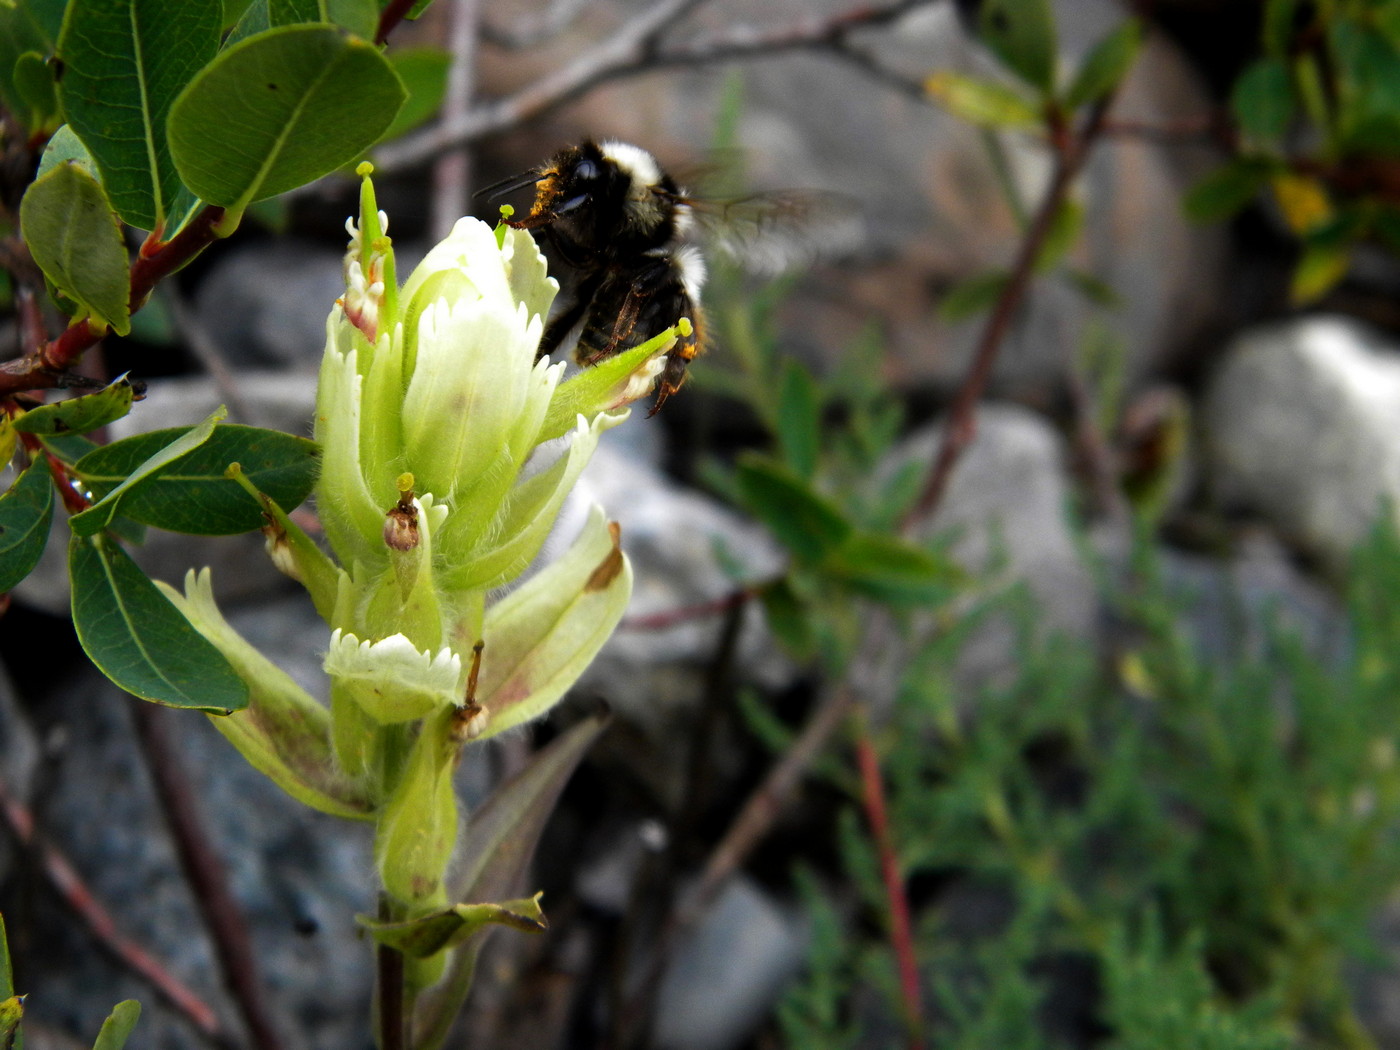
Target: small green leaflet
[138, 639]
[26, 512]
[77, 241]
[803, 520]
[424, 937]
[82, 414]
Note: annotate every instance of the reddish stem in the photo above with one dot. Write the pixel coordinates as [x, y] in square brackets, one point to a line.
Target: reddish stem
[901, 924]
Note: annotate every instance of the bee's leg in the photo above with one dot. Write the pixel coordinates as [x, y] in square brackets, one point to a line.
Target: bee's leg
[644, 284]
[686, 350]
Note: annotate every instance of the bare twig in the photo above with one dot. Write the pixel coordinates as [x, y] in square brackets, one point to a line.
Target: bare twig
[78, 896]
[961, 427]
[634, 48]
[668, 618]
[205, 872]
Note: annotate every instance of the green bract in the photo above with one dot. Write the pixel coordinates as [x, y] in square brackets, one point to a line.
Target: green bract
[448, 449]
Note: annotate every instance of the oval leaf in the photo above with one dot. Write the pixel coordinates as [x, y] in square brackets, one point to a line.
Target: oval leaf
[124, 63]
[194, 494]
[803, 520]
[279, 110]
[138, 639]
[26, 512]
[76, 240]
[1105, 66]
[1263, 100]
[80, 415]
[1022, 34]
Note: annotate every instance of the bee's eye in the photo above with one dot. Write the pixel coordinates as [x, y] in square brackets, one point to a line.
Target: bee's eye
[586, 169]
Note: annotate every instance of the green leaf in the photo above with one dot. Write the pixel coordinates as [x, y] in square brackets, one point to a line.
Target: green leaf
[424, 937]
[294, 12]
[982, 102]
[891, 570]
[1227, 189]
[11, 1014]
[99, 515]
[805, 522]
[799, 419]
[138, 639]
[11, 1005]
[424, 74]
[972, 295]
[24, 28]
[118, 1026]
[1022, 34]
[82, 414]
[68, 448]
[1278, 27]
[1262, 100]
[7, 973]
[124, 63]
[35, 86]
[1324, 263]
[790, 619]
[193, 494]
[26, 512]
[66, 146]
[69, 227]
[1096, 290]
[360, 17]
[1105, 66]
[1064, 231]
[278, 111]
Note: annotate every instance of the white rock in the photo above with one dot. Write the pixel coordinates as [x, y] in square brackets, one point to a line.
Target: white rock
[1303, 427]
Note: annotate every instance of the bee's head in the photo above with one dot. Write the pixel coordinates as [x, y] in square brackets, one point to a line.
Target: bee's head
[600, 193]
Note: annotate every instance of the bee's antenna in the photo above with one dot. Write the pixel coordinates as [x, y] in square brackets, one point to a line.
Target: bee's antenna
[509, 185]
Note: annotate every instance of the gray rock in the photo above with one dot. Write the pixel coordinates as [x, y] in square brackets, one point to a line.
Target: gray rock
[1302, 426]
[265, 306]
[727, 975]
[1006, 507]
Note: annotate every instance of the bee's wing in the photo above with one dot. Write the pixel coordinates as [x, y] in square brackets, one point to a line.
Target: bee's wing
[769, 233]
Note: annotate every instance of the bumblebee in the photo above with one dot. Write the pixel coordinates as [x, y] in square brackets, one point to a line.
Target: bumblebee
[620, 225]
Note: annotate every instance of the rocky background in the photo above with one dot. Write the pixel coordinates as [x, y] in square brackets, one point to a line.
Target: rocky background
[1294, 449]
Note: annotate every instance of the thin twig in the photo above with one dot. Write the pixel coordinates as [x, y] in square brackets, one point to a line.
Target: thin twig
[668, 618]
[389, 993]
[961, 426]
[205, 872]
[78, 896]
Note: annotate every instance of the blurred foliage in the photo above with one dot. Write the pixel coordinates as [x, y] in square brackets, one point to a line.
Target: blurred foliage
[1201, 839]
